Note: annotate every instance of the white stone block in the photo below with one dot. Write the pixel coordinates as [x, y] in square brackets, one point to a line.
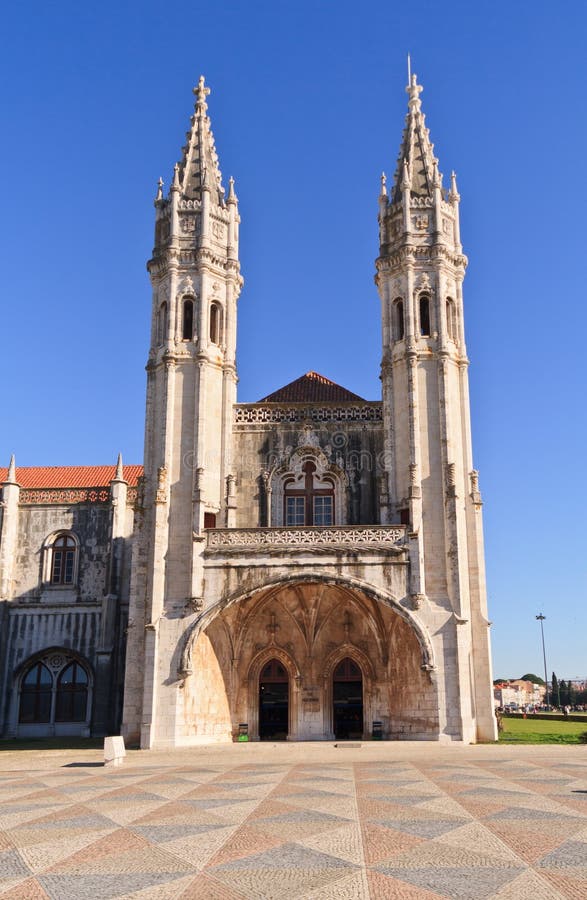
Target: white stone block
[114, 750]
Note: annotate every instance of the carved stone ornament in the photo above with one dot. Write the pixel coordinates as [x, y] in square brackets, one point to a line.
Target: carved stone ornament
[422, 222]
[217, 229]
[187, 224]
[417, 600]
[308, 437]
[194, 604]
[187, 285]
[424, 282]
[450, 474]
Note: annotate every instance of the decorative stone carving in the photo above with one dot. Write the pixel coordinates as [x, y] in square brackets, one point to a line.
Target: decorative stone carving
[376, 536]
[422, 222]
[417, 600]
[257, 413]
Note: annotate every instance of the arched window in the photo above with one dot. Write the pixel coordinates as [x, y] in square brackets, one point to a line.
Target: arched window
[36, 695]
[424, 315]
[398, 319]
[215, 324]
[162, 323]
[451, 319]
[188, 320]
[55, 691]
[72, 694]
[64, 560]
[312, 504]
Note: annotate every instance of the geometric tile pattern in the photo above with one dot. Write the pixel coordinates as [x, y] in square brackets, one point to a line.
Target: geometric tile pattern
[387, 821]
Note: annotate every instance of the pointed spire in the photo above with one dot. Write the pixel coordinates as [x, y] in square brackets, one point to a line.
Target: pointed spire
[232, 198]
[454, 195]
[159, 190]
[175, 184]
[119, 473]
[417, 167]
[199, 164]
[11, 476]
[383, 192]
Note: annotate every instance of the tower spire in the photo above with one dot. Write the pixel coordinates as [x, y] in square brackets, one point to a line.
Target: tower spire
[416, 150]
[199, 167]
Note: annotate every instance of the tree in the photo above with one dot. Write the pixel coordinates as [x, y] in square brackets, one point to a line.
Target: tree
[554, 691]
[535, 679]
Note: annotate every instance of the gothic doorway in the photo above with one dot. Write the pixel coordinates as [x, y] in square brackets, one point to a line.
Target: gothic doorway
[273, 702]
[347, 698]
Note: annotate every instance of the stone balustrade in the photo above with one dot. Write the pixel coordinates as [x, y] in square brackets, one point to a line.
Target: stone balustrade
[335, 537]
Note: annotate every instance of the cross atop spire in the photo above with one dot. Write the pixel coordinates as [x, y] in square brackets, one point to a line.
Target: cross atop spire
[417, 167]
[199, 168]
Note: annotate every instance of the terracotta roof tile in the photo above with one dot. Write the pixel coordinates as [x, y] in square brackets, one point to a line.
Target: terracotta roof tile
[70, 476]
[311, 388]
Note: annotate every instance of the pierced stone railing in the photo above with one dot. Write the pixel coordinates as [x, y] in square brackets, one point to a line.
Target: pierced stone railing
[253, 413]
[346, 537]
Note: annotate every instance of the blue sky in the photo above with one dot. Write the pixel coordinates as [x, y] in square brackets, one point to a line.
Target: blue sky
[307, 107]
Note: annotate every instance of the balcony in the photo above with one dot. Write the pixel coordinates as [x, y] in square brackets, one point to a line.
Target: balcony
[324, 539]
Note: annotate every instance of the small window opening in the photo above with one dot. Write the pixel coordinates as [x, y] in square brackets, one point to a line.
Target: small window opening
[451, 319]
[162, 323]
[209, 520]
[188, 320]
[425, 316]
[398, 324]
[215, 323]
[404, 516]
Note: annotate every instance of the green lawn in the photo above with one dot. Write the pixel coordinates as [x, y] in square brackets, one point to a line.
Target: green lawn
[541, 731]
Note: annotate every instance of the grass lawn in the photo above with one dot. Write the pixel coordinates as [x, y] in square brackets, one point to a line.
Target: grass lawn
[541, 731]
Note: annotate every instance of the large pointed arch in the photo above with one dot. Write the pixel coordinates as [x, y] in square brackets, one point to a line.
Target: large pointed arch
[206, 617]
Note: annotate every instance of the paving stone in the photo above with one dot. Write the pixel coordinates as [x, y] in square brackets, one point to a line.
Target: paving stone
[458, 822]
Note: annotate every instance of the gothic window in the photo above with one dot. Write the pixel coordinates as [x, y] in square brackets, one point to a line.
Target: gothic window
[398, 319]
[36, 695]
[309, 505]
[63, 560]
[162, 323]
[424, 315]
[451, 319]
[188, 320]
[215, 324]
[54, 689]
[72, 694]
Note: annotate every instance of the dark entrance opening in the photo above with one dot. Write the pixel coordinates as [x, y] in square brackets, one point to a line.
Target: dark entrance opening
[273, 702]
[347, 693]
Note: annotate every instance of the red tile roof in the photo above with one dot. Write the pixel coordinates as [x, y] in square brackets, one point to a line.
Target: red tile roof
[70, 476]
[311, 388]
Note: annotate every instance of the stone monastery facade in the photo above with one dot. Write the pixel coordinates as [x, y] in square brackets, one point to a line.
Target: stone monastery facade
[306, 567]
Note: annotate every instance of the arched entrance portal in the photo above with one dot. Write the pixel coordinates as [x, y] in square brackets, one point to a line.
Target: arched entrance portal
[273, 702]
[347, 698]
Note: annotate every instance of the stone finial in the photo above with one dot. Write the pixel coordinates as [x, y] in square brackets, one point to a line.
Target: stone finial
[11, 476]
[414, 90]
[175, 186]
[405, 175]
[454, 195]
[383, 185]
[159, 195]
[119, 469]
[201, 92]
[232, 198]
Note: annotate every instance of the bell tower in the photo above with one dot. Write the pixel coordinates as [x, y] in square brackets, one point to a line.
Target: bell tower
[191, 391]
[432, 485]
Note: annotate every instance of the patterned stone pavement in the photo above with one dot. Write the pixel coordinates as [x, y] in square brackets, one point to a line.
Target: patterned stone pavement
[412, 822]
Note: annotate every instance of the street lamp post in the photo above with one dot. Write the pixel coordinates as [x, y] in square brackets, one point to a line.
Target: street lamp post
[541, 619]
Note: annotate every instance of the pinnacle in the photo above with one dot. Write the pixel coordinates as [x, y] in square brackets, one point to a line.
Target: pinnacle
[199, 170]
[417, 167]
